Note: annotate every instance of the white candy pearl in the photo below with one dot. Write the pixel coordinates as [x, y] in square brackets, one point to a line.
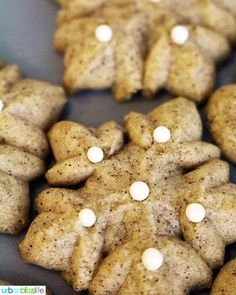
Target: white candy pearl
[180, 35]
[161, 134]
[139, 191]
[152, 259]
[104, 33]
[95, 154]
[195, 212]
[87, 217]
[1, 105]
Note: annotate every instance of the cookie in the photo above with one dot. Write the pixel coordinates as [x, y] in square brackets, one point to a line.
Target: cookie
[228, 5]
[74, 9]
[9, 75]
[27, 109]
[225, 282]
[94, 64]
[208, 214]
[4, 283]
[129, 202]
[221, 116]
[215, 14]
[159, 21]
[169, 65]
[147, 268]
[136, 46]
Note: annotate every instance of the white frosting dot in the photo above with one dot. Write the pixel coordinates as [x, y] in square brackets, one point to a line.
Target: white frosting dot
[161, 134]
[152, 259]
[139, 191]
[180, 35]
[1, 105]
[87, 217]
[195, 212]
[104, 33]
[95, 154]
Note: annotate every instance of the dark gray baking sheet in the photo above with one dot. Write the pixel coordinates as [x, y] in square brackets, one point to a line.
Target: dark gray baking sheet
[26, 32]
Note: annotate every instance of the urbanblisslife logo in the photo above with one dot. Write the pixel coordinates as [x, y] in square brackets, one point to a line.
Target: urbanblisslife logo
[37, 290]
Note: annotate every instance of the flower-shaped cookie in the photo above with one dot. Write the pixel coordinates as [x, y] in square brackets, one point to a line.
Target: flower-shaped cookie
[208, 215]
[221, 115]
[139, 46]
[129, 197]
[27, 109]
[225, 282]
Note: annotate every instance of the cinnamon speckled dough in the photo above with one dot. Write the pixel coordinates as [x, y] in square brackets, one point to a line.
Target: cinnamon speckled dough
[159, 21]
[141, 54]
[170, 66]
[227, 4]
[211, 13]
[29, 108]
[9, 75]
[221, 115]
[215, 14]
[77, 8]
[4, 283]
[210, 187]
[57, 239]
[225, 282]
[122, 271]
[97, 65]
